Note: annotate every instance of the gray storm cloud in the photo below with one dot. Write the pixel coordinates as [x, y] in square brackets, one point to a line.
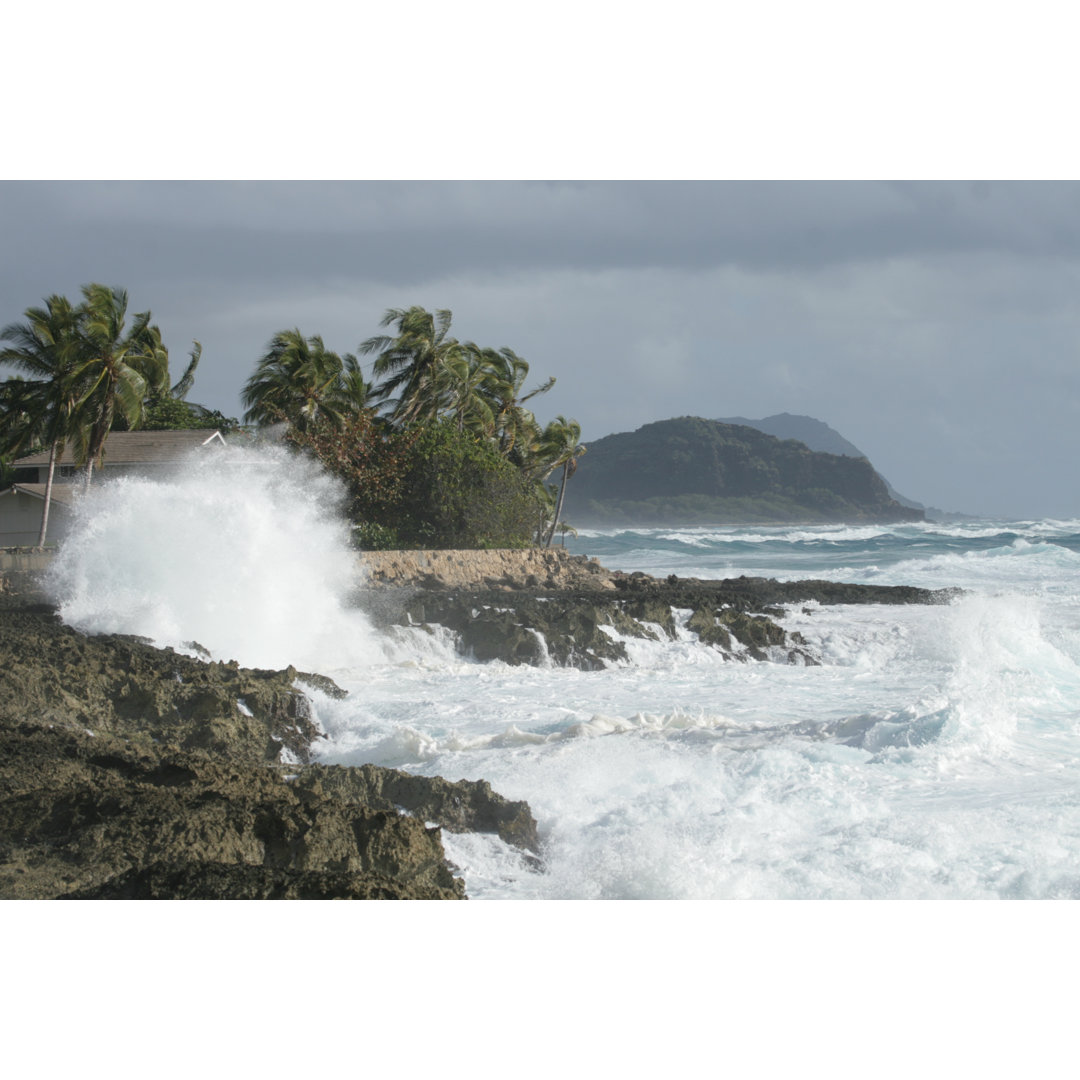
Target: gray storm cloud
[934, 324]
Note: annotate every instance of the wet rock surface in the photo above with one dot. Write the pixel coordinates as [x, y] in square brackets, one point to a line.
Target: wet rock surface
[133, 772]
[572, 626]
[116, 684]
[92, 816]
[459, 806]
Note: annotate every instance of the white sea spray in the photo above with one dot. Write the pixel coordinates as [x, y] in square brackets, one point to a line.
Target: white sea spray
[933, 753]
[242, 551]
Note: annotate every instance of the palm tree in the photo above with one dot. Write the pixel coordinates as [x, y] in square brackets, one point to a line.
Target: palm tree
[300, 381]
[545, 505]
[117, 369]
[355, 394]
[561, 446]
[414, 361]
[18, 415]
[165, 407]
[507, 374]
[462, 388]
[180, 391]
[44, 409]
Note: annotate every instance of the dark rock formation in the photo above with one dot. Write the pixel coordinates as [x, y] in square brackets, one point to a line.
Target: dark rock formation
[525, 629]
[463, 806]
[93, 816]
[760, 594]
[569, 627]
[122, 685]
[133, 772]
[239, 881]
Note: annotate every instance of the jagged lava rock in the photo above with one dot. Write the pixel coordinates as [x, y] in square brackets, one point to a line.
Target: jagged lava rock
[133, 772]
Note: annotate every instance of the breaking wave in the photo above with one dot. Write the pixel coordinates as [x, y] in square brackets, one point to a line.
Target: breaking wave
[241, 551]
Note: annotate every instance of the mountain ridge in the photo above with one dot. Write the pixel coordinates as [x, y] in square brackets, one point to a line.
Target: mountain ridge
[691, 470]
[817, 435]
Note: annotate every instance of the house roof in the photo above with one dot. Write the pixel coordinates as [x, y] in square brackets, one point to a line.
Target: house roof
[62, 494]
[137, 447]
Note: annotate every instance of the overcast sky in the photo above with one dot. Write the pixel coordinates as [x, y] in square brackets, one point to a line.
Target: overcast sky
[935, 325]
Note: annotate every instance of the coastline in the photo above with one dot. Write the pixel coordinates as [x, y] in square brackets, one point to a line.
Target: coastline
[136, 772]
[131, 772]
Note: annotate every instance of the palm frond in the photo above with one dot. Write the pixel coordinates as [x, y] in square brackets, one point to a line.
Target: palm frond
[181, 390]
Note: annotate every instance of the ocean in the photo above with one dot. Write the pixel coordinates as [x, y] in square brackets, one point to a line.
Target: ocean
[933, 753]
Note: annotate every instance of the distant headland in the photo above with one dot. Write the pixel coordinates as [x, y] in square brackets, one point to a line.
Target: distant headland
[694, 471]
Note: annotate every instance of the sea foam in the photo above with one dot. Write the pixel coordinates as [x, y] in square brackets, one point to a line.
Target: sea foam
[935, 752]
[242, 551]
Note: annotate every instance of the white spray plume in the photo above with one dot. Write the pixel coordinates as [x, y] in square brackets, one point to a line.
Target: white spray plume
[243, 551]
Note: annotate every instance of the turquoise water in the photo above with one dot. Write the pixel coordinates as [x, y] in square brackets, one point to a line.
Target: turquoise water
[866, 553]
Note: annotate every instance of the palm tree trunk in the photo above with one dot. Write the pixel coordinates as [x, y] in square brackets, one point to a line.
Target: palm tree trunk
[48, 495]
[98, 434]
[558, 505]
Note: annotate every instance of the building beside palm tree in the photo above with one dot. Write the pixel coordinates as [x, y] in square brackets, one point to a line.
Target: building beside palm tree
[127, 453]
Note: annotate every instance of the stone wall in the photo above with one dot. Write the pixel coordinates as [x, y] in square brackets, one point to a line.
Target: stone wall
[552, 568]
[23, 560]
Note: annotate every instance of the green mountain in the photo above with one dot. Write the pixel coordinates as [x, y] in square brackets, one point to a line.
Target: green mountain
[692, 471]
[818, 436]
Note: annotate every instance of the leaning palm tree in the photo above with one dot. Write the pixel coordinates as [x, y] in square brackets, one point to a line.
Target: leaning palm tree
[44, 409]
[354, 395]
[561, 446]
[180, 390]
[506, 380]
[412, 363]
[117, 368]
[168, 403]
[462, 389]
[302, 382]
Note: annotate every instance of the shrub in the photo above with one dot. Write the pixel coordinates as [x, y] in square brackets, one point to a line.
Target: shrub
[427, 486]
[460, 492]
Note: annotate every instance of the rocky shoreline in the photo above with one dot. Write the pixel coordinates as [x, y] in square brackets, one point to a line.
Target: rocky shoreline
[550, 607]
[132, 772]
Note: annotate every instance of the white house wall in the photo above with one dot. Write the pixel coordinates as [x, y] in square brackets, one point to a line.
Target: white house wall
[20, 520]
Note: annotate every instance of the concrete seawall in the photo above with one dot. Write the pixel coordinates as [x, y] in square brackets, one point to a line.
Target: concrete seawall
[551, 568]
[23, 560]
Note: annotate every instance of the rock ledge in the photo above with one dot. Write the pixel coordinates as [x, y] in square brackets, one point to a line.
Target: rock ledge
[133, 772]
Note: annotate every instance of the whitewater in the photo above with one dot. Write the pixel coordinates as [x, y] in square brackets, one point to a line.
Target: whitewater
[933, 753]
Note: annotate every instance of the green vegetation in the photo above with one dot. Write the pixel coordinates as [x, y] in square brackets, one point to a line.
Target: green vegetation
[439, 450]
[89, 373]
[458, 491]
[441, 453]
[172, 414]
[692, 471]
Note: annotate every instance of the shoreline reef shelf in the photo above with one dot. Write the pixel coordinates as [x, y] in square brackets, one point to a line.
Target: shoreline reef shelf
[133, 772]
[548, 606]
